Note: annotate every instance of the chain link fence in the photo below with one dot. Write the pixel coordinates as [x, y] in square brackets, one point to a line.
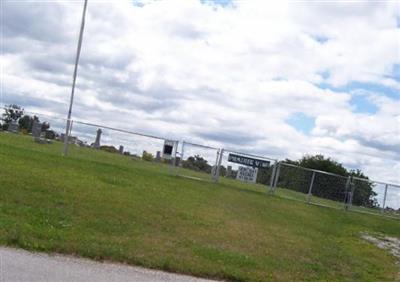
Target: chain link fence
[336, 191]
[198, 161]
[136, 146]
[247, 168]
[375, 197]
[208, 163]
[391, 200]
[311, 186]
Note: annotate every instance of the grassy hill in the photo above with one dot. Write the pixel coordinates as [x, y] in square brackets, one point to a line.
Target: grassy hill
[107, 206]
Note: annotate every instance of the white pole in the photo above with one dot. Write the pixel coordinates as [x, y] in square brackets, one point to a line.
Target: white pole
[384, 198]
[310, 189]
[277, 173]
[273, 173]
[78, 52]
[219, 162]
[214, 168]
[182, 153]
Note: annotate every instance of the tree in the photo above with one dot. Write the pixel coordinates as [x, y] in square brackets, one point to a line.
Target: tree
[363, 195]
[110, 149]
[45, 125]
[264, 175]
[26, 122]
[319, 162]
[147, 156]
[222, 171]
[327, 186]
[197, 163]
[294, 178]
[11, 113]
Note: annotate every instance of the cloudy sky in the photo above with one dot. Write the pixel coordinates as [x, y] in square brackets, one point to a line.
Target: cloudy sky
[277, 78]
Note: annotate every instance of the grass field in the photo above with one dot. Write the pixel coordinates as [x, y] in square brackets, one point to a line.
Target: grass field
[106, 206]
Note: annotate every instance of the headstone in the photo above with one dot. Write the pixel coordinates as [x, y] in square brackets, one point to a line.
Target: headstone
[177, 161]
[121, 149]
[80, 143]
[36, 129]
[229, 171]
[71, 139]
[62, 137]
[97, 141]
[50, 134]
[158, 156]
[40, 140]
[13, 127]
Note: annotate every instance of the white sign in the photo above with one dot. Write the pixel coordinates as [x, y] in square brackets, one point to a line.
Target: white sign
[167, 149]
[247, 174]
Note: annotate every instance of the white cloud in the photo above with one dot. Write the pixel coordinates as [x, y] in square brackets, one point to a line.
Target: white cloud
[218, 75]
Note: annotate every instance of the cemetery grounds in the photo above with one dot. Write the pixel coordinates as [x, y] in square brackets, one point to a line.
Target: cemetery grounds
[111, 207]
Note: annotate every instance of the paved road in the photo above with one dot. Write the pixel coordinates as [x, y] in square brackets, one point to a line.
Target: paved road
[19, 265]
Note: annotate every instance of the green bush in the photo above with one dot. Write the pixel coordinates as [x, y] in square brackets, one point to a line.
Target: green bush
[147, 156]
[110, 149]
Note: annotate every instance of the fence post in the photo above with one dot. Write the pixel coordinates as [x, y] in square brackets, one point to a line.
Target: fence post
[277, 173]
[70, 127]
[173, 158]
[219, 162]
[310, 189]
[346, 196]
[214, 168]
[182, 153]
[66, 137]
[384, 198]
[176, 144]
[349, 193]
[353, 187]
[272, 180]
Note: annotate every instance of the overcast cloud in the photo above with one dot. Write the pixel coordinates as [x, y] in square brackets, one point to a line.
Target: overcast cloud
[226, 75]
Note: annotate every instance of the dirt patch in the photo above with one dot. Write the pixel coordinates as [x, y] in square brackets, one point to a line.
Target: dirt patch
[392, 244]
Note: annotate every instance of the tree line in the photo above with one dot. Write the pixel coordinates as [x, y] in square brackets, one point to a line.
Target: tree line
[294, 178]
[325, 186]
[15, 113]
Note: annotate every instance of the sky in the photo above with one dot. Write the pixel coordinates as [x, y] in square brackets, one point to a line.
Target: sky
[277, 78]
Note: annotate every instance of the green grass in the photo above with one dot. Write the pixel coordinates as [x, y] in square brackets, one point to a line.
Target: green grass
[290, 194]
[106, 206]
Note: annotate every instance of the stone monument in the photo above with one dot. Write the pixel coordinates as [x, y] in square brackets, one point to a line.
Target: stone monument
[228, 171]
[36, 129]
[13, 127]
[158, 156]
[96, 143]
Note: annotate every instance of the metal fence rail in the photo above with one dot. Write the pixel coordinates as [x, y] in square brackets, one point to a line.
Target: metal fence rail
[337, 191]
[198, 161]
[203, 162]
[247, 167]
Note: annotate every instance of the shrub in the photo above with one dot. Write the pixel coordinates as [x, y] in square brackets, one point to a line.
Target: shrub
[110, 149]
[147, 156]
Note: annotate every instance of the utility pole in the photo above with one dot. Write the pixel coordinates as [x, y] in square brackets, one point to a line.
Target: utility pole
[78, 52]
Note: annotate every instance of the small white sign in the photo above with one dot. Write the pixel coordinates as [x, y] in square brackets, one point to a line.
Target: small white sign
[168, 149]
[247, 174]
